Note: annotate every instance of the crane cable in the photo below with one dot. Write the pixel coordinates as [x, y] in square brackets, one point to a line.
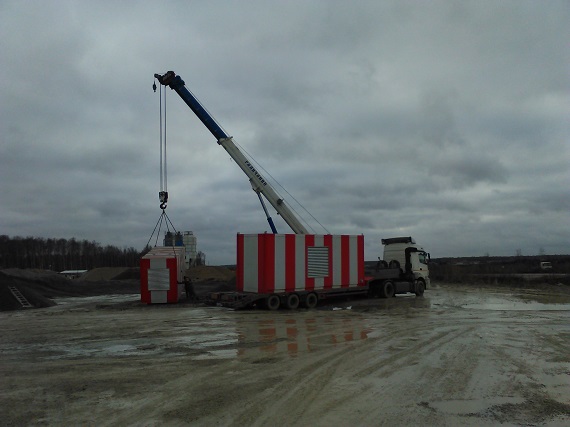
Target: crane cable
[289, 194]
[163, 193]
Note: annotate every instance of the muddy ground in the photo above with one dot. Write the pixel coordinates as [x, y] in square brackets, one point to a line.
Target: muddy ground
[460, 355]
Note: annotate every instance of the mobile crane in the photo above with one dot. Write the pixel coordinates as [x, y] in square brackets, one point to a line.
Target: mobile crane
[299, 269]
[258, 182]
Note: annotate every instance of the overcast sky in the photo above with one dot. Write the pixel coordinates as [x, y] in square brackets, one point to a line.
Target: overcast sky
[447, 121]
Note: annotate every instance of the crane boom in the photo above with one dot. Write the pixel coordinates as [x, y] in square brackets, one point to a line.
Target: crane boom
[258, 183]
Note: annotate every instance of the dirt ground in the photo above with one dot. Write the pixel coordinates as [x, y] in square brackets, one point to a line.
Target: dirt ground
[457, 356]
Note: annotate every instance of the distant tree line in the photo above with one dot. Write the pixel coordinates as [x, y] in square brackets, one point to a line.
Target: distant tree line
[463, 269]
[63, 254]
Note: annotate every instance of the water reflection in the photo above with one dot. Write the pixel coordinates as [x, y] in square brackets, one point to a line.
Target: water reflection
[296, 335]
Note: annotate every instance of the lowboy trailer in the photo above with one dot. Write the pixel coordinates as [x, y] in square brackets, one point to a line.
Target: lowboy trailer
[299, 270]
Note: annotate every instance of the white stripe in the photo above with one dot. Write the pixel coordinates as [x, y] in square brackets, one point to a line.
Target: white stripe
[337, 261]
[157, 263]
[353, 260]
[319, 281]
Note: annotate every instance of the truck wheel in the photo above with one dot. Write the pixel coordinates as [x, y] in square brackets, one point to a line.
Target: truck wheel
[394, 264]
[273, 302]
[389, 290]
[420, 288]
[311, 300]
[292, 301]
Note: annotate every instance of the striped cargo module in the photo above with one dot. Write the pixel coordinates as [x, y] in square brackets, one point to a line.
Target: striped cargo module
[161, 271]
[268, 263]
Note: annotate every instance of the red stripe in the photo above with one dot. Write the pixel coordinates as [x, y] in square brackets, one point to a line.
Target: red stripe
[309, 281]
[239, 263]
[260, 263]
[327, 241]
[290, 262]
[345, 261]
[268, 255]
[270, 262]
[145, 294]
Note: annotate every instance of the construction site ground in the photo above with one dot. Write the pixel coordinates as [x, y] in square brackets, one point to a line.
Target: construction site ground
[460, 355]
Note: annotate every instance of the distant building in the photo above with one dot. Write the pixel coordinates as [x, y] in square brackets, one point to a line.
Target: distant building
[545, 265]
[191, 243]
[188, 240]
[73, 274]
[173, 239]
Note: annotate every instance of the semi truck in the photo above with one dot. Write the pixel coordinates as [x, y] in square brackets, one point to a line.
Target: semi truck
[276, 270]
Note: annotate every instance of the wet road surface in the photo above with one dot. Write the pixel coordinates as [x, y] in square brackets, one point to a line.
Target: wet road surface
[457, 356]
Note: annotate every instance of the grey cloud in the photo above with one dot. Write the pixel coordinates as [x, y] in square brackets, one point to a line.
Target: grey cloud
[447, 121]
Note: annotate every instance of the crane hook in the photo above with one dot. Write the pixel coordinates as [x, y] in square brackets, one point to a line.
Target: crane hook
[154, 86]
[163, 197]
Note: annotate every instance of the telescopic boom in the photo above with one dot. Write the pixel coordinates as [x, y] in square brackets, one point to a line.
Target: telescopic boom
[258, 183]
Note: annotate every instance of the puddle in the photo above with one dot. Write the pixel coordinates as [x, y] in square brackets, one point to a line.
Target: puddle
[251, 338]
[293, 336]
[217, 354]
[100, 349]
[119, 349]
[210, 340]
[518, 306]
[464, 407]
[66, 302]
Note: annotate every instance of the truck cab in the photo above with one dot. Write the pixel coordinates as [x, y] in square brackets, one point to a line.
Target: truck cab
[404, 253]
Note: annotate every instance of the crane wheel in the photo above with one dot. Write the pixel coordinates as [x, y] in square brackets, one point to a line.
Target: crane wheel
[311, 300]
[292, 301]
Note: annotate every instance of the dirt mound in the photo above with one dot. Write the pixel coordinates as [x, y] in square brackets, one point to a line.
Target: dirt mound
[210, 273]
[103, 273]
[34, 274]
[129, 274]
[40, 286]
[35, 285]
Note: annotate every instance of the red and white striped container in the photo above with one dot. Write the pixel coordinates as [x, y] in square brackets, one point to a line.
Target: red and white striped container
[274, 263]
[162, 271]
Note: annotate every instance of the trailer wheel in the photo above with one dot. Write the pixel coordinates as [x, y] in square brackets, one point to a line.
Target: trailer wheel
[388, 290]
[273, 302]
[420, 288]
[311, 300]
[292, 301]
